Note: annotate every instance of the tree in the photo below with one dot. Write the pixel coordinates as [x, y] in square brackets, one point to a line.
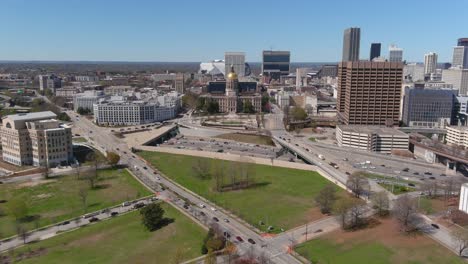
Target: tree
[201, 169]
[93, 175]
[248, 107]
[22, 232]
[326, 198]
[212, 106]
[350, 212]
[341, 208]
[210, 257]
[460, 237]
[113, 158]
[83, 195]
[46, 171]
[357, 183]
[298, 113]
[18, 208]
[152, 216]
[63, 117]
[405, 211]
[381, 202]
[430, 188]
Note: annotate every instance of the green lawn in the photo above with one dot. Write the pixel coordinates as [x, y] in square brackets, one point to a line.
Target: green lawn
[247, 138]
[397, 189]
[123, 240]
[79, 140]
[283, 197]
[379, 245]
[57, 199]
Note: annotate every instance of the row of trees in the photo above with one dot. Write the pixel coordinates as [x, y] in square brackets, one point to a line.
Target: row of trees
[227, 175]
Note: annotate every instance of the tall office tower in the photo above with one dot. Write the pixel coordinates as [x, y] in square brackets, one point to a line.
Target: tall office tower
[395, 54]
[427, 107]
[460, 57]
[180, 83]
[275, 63]
[374, 51]
[430, 63]
[351, 43]
[463, 42]
[236, 59]
[458, 77]
[369, 93]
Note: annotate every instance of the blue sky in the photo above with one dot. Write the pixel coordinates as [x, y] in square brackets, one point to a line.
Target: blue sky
[189, 30]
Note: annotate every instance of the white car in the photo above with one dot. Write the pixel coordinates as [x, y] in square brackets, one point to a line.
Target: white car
[202, 205]
[213, 209]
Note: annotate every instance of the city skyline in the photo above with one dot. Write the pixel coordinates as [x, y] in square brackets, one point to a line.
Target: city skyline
[192, 32]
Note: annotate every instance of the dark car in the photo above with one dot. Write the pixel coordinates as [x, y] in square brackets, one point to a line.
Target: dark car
[443, 175]
[405, 169]
[65, 222]
[239, 239]
[416, 173]
[411, 184]
[226, 234]
[215, 219]
[94, 219]
[435, 226]
[432, 178]
[145, 168]
[251, 241]
[114, 213]
[139, 205]
[427, 173]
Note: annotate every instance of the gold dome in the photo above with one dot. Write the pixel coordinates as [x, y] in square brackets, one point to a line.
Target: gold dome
[232, 75]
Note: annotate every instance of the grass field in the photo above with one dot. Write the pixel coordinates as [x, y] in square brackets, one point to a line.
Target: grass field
[397, 189]
[247, 138]
[54, 200]
[79, 140]
[381, 244]
[122, 240]
[283, 197]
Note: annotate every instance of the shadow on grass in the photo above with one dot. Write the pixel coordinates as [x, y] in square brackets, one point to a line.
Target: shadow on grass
[164, 222]
[102, 186]
[94, 204]
[241, 186]
[29, 218]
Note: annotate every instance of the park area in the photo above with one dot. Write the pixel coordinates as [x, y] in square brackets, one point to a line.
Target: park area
[34, 204]
[119, 240]
[278, 197]
[380, 243]
[247, 138]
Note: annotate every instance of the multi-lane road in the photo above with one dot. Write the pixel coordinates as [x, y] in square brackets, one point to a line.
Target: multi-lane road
[275, 252]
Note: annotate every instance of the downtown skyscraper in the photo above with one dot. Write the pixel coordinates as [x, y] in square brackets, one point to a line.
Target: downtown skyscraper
[374, 51]
[430, 63]
[351, 43]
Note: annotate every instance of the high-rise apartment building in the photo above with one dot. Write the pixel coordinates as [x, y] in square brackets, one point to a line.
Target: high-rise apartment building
[275, 63]
[395, 54]
[369, 93]
[36, 139]
[430, 63]
[351, 43]
[237, 60]
[374, 51]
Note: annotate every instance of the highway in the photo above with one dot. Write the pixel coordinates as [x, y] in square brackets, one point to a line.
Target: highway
[154, 179]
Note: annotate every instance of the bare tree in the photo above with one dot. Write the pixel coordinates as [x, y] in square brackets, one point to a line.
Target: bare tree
[83, 195]
[356, 213]
[460, 237]
[430, 188]
[381, 202]
[77, 172]
[357, 183]
[341, 210]
[46, 171]
[405, 211]
[22, 232]
[325, 198]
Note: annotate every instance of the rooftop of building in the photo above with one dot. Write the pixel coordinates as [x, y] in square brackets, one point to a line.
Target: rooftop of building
[460, 128]
[381, 130]
[32, 116]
